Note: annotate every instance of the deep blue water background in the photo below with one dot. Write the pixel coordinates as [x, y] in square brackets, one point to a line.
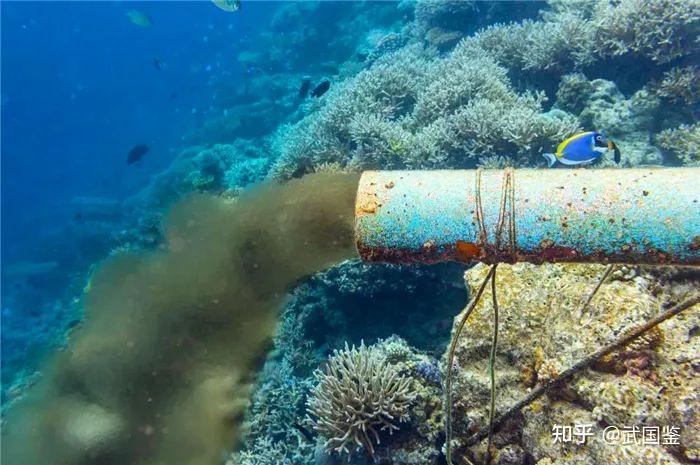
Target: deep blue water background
[79, 90]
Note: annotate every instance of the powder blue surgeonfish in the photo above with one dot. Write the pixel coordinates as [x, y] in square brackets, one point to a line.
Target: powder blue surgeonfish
[582, 149]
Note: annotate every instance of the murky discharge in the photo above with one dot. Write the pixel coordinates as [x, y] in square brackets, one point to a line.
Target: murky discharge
[161, 371]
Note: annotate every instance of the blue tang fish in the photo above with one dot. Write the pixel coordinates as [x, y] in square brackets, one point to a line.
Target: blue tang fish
[582, 149]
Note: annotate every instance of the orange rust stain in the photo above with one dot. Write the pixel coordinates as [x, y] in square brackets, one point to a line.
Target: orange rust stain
[369, 207]
[467, 250]
[367, 201]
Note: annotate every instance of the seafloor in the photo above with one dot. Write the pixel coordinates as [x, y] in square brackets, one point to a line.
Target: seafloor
[413, 85]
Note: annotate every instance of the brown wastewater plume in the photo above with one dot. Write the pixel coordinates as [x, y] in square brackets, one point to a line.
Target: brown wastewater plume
[161, 371]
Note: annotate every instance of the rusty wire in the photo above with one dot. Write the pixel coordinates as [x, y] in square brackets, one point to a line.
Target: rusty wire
[481, 237]
[602, 279]
[507, 197]
[492, 364]
[450, 361]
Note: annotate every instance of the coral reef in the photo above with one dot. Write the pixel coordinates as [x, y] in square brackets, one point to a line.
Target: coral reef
[442, 23]
[269, 440]
[582, 32]
[599, 104]
[213, 169]
[332, 307]
[420, 84]
[360, 396]
[278, 402]
[647, 383]
[412, 109]
[683, 142]
[415, 108]
[662, 30]
[681, 85]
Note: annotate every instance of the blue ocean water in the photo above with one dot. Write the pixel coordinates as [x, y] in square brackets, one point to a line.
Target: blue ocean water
[80, 88]
[142, 323]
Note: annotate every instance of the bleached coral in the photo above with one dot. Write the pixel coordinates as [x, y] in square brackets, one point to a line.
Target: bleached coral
[661, 30]
[359, 396]
[680, 85]
[484, 127]
[415, 110]
[467, 73]
[385, 92]
[495, 162]
[575, 33]
[558, 43]
[683, 141]
[378, 142]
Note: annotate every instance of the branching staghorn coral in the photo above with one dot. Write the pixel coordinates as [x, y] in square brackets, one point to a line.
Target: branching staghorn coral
[360, 395]
[484, 127]
[680, 85]
[415, 110]
[683, 141]
[661, 30]
[467, 73]
[577, 33]
[379, 142]
[557, 44]
[385, 92]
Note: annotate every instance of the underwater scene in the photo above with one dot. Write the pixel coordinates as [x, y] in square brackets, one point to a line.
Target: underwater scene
[417, 232]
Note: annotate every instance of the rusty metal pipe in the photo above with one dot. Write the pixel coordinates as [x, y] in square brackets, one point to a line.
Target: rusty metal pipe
[639, 216]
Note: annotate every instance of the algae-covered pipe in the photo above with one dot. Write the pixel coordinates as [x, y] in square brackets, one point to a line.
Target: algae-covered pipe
[644, 216]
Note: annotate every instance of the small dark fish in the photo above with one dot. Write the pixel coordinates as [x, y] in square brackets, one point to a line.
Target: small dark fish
[78, 217]
[305, 86]
[136, 153]
[321, 89]
[159, 64]
[304, 431]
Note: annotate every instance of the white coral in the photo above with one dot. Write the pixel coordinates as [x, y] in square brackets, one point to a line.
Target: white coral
[359, 396]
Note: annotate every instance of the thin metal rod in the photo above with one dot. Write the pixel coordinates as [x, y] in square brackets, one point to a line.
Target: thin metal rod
[607, 272]
[492, 364]
[450, 361]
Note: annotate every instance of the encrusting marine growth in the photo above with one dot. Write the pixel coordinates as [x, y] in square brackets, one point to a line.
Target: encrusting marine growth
[161, 371]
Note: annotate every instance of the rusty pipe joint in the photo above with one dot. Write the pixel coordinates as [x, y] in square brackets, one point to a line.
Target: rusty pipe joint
[637, 216]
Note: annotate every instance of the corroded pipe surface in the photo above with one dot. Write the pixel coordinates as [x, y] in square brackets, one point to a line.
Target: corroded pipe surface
[649, 215]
